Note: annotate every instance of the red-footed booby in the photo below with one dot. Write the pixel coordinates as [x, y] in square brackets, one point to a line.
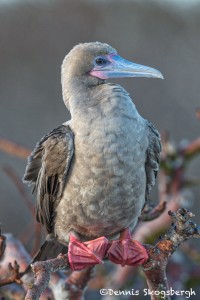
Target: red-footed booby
[93, 174]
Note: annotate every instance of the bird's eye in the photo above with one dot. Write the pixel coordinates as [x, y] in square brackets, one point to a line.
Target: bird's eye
[100, 61]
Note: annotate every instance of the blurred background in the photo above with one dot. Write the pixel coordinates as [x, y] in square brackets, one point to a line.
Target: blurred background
[36, 35]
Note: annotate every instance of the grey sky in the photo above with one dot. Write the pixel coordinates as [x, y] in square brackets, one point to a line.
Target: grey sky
[171, 2]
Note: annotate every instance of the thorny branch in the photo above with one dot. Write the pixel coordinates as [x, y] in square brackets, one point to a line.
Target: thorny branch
[155, 269]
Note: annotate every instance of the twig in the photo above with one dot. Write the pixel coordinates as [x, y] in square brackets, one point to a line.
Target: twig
[147, 232]
[14, 275]
[20, 187]
[77, 282]
[192, 149]
[14, 149]
[191, 252]
[155, 269]
[198, 113]
[71, 288]
[152, 213]
[15, 251]
[2, 244]
[13, 291]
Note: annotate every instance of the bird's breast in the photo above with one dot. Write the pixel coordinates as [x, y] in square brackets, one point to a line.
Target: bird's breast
[106, 188]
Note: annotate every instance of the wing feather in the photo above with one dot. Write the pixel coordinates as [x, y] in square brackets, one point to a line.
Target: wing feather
[152, 157]
[47, 171]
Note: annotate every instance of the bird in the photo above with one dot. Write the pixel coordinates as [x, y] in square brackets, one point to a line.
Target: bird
[93, 174]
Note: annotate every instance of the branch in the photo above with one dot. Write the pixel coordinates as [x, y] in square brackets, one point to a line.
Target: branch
[10, 271]
[13, 291]
[192, 149]
[198, 113]
[24, 196]
[155, 269]
[14, 261]
[14, 149]
[2, 244]
[13, 268]
[42, 270]
[151, 213]
[14, 275]
[77, 282]
[20, 187]
[72, 287]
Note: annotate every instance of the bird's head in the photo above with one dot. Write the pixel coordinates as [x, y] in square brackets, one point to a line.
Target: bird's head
[92, 63]
[101, 61]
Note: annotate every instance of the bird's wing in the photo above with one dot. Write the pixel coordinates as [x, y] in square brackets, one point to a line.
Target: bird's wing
[47, 171]
[152, 157]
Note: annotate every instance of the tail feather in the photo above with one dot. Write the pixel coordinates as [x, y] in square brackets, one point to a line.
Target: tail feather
[49, 249]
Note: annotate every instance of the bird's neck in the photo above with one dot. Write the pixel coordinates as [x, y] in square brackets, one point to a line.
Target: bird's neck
[76, 90]
[99, 106]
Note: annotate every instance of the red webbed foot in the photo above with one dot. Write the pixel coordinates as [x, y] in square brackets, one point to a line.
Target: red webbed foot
[126, 251]
[87, 254]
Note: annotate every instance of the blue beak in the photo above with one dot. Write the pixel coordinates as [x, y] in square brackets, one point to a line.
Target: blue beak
[117, 67]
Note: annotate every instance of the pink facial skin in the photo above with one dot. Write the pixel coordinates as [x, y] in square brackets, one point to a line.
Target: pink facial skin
[99, 74]
[99, 71]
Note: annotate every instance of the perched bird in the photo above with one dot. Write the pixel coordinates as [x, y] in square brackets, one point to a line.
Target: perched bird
[93, 174]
